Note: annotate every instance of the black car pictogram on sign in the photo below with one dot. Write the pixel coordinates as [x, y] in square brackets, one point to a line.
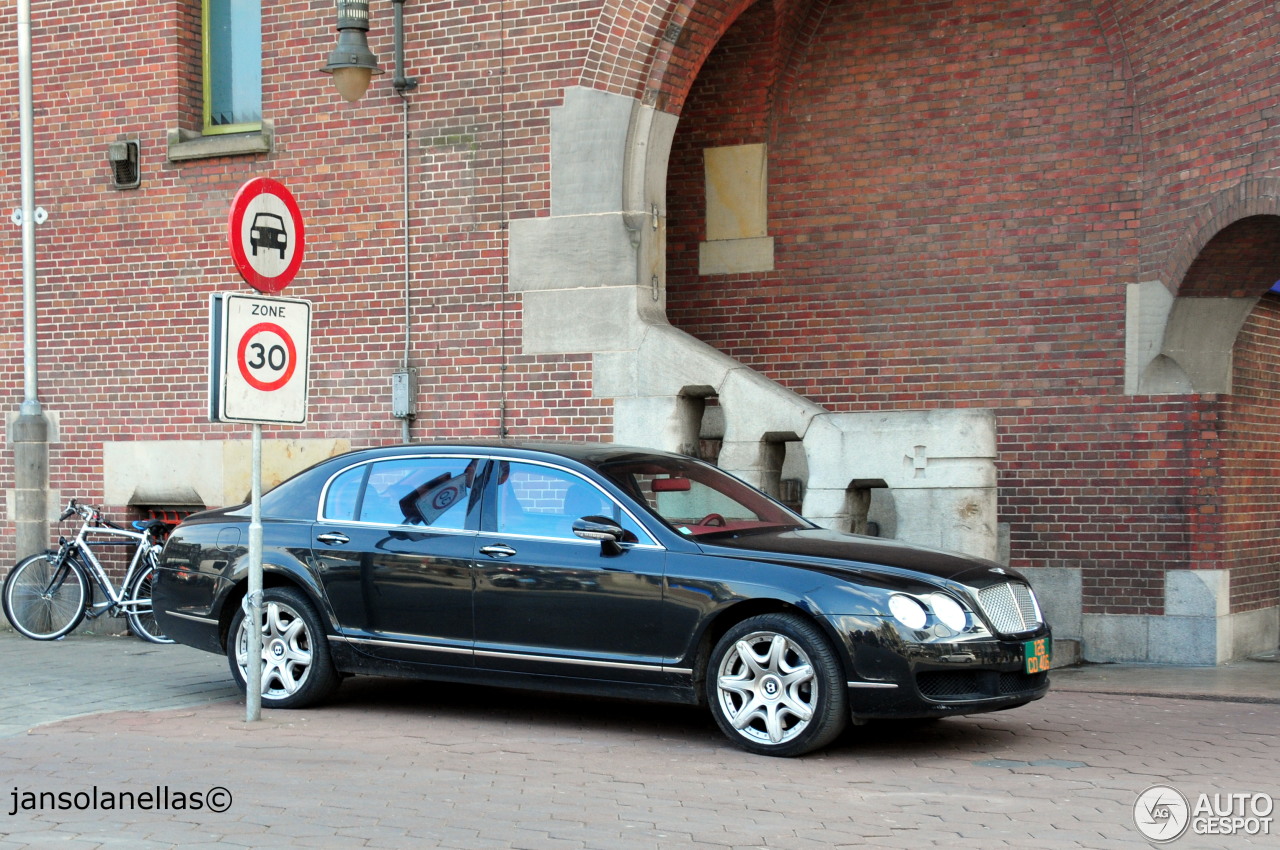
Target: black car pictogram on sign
[268, 232]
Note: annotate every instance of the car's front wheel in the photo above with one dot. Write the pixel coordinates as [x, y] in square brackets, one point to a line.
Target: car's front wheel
[775, 687]
[297, 669]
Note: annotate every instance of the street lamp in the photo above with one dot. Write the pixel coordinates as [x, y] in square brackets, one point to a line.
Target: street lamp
[352, 63]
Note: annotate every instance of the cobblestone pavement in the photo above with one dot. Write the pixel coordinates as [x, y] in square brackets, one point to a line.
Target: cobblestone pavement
[402, 764]
[45, 681]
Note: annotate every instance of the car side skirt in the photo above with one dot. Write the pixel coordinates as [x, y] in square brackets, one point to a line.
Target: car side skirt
[670, 684]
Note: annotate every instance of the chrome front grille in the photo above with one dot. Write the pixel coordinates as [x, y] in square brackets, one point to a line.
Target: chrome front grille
[1011, 607]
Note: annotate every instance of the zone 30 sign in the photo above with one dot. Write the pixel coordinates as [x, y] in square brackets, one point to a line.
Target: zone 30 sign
[259, 359]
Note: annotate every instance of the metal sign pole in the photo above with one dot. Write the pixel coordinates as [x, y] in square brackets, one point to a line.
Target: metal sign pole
[253, 608]
[264, 358]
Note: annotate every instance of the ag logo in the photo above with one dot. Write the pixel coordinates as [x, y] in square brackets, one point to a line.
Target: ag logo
[1161, 813]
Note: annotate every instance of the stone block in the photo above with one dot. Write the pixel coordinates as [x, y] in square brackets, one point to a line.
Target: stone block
[588, 151]
[737, 179]
[756, 407]
[1187, 641]
[906, 449]
[1115, 637]
[955, 519]
[574, 252]
[736, 256]
[651, 422]
[570, 321]
[1254, 632]
[1197, 593]
[211, 473]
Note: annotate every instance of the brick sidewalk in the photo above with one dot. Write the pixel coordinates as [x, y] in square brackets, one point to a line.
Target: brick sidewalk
[395, 765]
[46, 681]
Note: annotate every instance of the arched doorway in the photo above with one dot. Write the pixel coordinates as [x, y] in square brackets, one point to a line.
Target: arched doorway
[1241, 536]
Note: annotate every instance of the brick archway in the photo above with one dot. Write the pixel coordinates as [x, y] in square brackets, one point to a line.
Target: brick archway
[654, 51]
[1182, 341]
[1254, 198]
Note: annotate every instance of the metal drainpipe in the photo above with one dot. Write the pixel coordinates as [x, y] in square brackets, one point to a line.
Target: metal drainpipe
[30, 431]
[407, 422]
[403, 84]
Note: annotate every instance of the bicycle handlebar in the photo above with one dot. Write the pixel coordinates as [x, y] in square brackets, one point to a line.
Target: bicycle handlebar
[73, 508]
[93, 516]
[88, 513]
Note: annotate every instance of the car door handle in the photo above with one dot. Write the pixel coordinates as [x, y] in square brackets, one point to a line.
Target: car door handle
[333, 538]
[497, 550]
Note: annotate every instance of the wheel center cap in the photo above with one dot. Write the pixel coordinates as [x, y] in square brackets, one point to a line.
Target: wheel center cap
[277, 649]
[771, 687]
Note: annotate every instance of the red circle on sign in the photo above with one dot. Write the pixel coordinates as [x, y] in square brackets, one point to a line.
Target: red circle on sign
[266, 386]
[235, 233]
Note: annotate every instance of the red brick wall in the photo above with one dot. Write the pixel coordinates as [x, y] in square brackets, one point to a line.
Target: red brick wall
[1205, 89]
[957, 194]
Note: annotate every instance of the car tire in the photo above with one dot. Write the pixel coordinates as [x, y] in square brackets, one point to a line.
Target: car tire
[775, 686]
[298, 670]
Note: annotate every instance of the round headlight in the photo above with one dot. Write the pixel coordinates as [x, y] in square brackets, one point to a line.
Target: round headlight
[908, 611]
[948, 611]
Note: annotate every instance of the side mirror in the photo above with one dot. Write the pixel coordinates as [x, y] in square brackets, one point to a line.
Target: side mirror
[600, 528]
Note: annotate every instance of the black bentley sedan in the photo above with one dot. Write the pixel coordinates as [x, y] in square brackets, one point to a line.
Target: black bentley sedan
[601, 569]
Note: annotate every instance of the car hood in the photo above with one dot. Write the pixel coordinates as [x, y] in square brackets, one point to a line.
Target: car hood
[821, 547]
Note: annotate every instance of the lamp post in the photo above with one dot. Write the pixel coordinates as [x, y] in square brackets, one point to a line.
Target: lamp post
[29, 433]
[352, 63]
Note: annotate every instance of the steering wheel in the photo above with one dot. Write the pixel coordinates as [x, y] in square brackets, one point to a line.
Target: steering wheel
[712, 519]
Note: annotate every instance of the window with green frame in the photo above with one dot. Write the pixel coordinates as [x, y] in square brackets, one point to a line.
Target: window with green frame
[232, 66]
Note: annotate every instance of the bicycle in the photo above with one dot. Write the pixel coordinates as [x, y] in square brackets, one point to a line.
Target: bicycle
[47, 595]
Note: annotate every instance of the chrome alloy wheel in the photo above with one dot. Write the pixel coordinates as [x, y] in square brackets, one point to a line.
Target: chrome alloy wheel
[767, 687]
[286, 650]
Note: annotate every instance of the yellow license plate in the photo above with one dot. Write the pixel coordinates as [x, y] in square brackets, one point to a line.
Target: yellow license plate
[1038, 654]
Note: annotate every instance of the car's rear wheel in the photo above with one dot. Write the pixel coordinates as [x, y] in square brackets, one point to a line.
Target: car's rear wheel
[297, 668]
[775, 687]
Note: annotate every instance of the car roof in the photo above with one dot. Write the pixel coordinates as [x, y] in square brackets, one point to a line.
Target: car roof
[590, 453]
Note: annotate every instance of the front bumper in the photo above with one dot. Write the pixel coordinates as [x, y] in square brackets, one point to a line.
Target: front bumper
[942, 679]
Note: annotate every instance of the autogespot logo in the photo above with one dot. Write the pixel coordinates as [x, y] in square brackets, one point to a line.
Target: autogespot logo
[1162, 813]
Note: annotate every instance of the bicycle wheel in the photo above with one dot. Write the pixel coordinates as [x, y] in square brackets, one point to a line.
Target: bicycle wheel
[142, 619]
[43, 599]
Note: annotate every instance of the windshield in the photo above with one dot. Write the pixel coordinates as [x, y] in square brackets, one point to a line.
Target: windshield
[697, 499]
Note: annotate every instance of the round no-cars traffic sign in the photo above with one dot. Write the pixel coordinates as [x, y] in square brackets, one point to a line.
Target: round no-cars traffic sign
[266, 234]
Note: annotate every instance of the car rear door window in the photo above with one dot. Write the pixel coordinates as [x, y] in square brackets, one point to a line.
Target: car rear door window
[435, 492]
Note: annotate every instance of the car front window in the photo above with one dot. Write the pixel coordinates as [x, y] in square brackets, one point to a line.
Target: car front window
[541, 501]
[697, 499]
